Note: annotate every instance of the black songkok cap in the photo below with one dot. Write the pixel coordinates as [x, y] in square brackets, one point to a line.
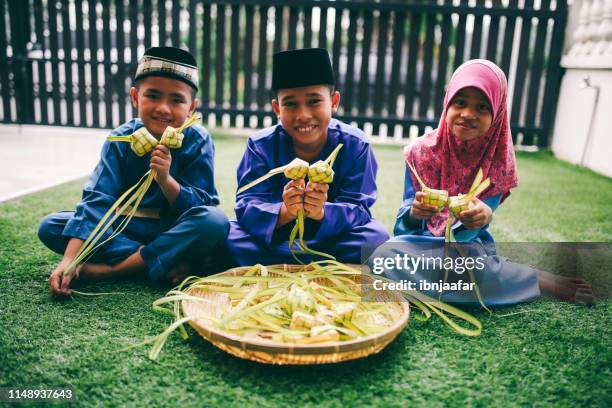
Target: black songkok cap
[168, 62]
[305, 67]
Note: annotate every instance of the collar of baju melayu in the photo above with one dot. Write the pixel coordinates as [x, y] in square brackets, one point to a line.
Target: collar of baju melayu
[148, 65]
[141, 142]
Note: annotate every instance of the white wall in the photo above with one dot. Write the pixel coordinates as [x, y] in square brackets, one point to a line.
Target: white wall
[573, 118]
[582, 132]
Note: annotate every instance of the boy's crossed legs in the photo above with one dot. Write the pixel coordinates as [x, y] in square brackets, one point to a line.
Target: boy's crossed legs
[170, 253]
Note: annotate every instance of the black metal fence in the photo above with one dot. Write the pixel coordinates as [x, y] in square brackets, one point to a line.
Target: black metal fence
[69, 62]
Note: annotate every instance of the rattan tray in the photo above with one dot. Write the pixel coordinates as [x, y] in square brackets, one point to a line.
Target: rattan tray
[271, 352]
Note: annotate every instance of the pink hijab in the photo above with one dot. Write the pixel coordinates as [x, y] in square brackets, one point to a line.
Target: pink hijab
[444, 161]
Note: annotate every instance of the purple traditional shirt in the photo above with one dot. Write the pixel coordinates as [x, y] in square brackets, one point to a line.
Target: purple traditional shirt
[350, 196]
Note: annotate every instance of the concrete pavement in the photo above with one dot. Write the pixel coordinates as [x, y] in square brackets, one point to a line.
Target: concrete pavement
[33, 158]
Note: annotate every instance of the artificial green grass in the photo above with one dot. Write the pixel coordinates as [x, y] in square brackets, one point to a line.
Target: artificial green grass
[549, 354]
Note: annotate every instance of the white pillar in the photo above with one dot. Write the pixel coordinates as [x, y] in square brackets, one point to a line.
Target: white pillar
[581, 34]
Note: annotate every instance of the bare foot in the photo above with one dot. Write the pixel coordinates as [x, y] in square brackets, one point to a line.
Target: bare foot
[568, 289]
[179, 273]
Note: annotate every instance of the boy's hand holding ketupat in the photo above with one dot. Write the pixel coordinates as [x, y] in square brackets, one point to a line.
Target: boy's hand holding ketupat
[293, 201]
[315, 199]
[311, 199]
[161, 158]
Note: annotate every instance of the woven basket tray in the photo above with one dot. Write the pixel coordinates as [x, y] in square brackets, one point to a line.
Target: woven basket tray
[272, 352]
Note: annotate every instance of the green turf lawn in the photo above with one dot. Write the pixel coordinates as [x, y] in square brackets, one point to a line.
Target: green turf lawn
[552, 354]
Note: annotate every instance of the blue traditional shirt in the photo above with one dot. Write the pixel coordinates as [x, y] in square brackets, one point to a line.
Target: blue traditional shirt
[120, 168]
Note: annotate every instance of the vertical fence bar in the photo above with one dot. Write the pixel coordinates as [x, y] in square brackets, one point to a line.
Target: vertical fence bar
[67, 46]
[22, 68]
[553, 73]
[477, 33]
[292, 27]
[398, 40]
[161, 22]
[235, 61]
[248, 58]
[93, 62]
[460, 36]
[443, 59]
[4, 68]
[193, 27]
[55, 82]
[206, 58]
[133, 10]
[426, 80]
[278, 28]
[337, 47]
[364, 76]
[508, 44]
[521, 68]
[349, 80]
[491, 46]
[219, 57]
[42, 74]
[323, 29]
[121, 71]
[80, 49]
[380, 84]
[147, 11]
[536, 74]
[411, 72]
[176, 23]
[307, 27]
[108, 81]
[262, 63]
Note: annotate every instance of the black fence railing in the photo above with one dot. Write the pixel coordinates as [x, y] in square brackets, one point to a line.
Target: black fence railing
[70, 62]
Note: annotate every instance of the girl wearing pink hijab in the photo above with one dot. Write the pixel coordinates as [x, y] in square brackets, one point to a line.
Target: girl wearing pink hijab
[473, 133]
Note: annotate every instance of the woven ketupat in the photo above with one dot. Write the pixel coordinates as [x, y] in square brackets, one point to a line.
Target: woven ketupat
[296, 170]
[172, 137]
[142, 142]
[438, 198]
[321, 172]
[459, 203]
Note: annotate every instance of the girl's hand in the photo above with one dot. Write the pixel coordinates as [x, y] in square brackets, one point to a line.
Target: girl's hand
[476, 217]
[420, 210]
[315, 199]
[293, 197]
[160, 162]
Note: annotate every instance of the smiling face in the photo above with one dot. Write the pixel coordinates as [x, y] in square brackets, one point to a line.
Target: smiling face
[305, 113]
[469, 114]
[163, 102]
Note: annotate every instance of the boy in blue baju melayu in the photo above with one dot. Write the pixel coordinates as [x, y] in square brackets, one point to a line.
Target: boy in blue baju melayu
[177, 224]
